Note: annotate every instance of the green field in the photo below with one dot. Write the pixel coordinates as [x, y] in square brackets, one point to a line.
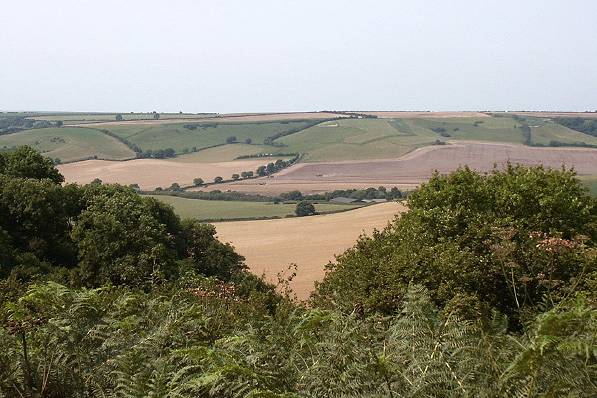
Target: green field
[333, 140]
[69, 143]
[555, 132]
[178, 137]
[355, 139]
[499, 129]
[223, 153]
[224, 209]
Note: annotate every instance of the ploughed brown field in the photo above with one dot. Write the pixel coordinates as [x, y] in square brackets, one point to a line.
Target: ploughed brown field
[270, 246]
[410, 170]
[151, 173]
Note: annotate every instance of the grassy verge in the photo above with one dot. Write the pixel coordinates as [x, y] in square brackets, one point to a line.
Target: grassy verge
[225, 210]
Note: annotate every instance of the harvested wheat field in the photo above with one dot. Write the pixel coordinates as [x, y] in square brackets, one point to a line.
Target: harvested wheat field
[151, 173]
[270, 246]
[417, 166]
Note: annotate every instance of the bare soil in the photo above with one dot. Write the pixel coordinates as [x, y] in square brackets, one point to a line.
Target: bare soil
[270, 246]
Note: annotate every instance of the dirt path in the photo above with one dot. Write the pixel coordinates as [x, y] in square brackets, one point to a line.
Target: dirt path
[310, 242]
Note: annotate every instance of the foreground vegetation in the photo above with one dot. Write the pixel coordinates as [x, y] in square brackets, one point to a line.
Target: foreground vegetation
[484, 288]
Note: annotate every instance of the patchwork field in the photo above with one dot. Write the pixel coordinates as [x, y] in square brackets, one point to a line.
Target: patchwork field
[189, 135]
[391, 135]
[270, 246]
[69, 143]
[358, 139]
[417, 166]
[152, 173]
[226, 209]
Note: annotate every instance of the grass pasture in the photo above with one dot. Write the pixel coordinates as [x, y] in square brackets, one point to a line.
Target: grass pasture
[222, 153]
[356, 139]
[502, 129]
[203, 135]
[225, 209]
[548, 132]
[69, 143]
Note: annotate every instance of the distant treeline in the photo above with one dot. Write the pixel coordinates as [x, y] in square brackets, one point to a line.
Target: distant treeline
[291, 196]
[213, 195]
[360, 194]
[587, 126]
[14, 124]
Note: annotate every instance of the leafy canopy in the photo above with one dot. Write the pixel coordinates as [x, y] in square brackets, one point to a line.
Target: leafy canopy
[508, 240]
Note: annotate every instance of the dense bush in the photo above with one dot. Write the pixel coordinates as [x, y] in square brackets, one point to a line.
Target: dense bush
[28, 163]
[96, 234]
[201, 338]
[506, 241]
[304, 208]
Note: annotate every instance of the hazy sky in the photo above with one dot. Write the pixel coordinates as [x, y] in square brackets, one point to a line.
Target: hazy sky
[282, 55]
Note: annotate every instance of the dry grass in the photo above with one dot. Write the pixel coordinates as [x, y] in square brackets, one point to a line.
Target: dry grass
[270, 246]
[151, 173]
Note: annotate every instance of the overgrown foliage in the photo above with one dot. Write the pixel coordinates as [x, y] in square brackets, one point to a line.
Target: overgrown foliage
[95, 234]
[206, 339]
[504, 241]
